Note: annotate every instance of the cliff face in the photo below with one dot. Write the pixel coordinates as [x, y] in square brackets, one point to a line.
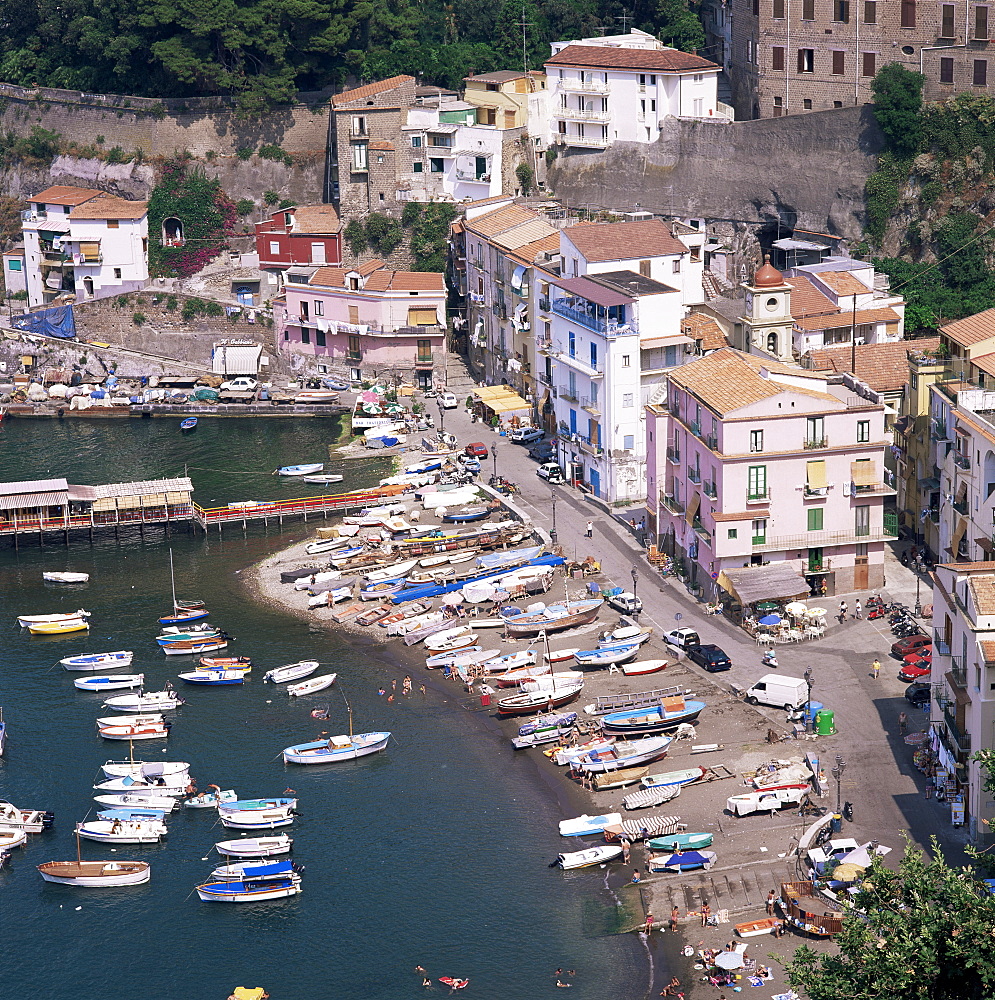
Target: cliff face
[806, 170]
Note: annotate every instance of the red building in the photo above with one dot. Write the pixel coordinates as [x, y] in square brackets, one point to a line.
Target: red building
[307, 234]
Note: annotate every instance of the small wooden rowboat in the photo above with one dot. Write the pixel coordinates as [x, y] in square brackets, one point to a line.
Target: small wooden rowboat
[756, 928]
[311, 685]
[94, 874]
[65, 578]
[26, 621]
[242, 663]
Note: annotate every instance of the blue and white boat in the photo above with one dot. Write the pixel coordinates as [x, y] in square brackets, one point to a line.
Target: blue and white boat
[300, 470]
[683, 861]
[98, 661]
[213, 678]
[250, 890]
[431, 465]
[336, 749]
[158, 815]
[625, 635]
[513, 557]
[181, 616]
[466, 515]
[381, 589]
[239, 870]
[110, 682]
[669, 714]
[189, 424]
[242, 805]
[605, 657]
[622, 755]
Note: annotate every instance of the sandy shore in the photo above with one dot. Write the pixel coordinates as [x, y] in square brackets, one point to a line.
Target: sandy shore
[755, 852]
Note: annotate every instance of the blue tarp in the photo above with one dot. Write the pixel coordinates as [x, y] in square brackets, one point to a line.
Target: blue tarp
[427, 590]
[56, 322]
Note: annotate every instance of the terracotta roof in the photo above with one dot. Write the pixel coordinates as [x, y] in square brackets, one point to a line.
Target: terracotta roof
[983, 590]
[971, 330]
[724, 381]
[405, 281]
[382, 145]
[605, 241]
[109, 207]
[884, 367]
[317, 219]
[700, 327]
[745, 515]
[985, 363]
[63, 194]
[485, 201]
[500, 221]
[846, 317]
[767, 276]
[842, 282]
[779, 367]
[987, 650]
[370, 89]
[612, 57]
[334, 277]
[548, 244]
[807, 300]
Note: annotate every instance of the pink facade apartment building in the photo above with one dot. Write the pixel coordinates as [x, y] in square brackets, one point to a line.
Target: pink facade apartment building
[365, 322]
[753, 462]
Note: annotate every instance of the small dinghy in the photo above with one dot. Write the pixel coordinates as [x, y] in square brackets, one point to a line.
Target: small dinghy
[123, 831]
[59, 628]
[291, 672]
[381, 589]
[250, 890]
[469, 656]
[148, 701]
[639, 667]
[96, 874]
[256, 847]
[557, 655]
[626, 634]
[466, 515]
[621, 755]
[65, 578]
[213, 678]
[98, 661]
[300, 470]
[26, 621]
[111, 730]
[544, 729]
[317, 396]
[189, 647]
[181, 616]
[176, 633]
[242, 663]
[610, 655]
[112, 682]
[682, 861]
[647, 797]
[161, 803]
[680, 842]
[592, 856]
[586, 826]
[209, 800]
[9, 837]
[668, 714]
[535, 701]
[311, 685]
[686, 776]
[257, 820]
[141, 770]
[336, 749]
[322, 545]
[454, 638]
[374, 615]
[188, 424]
[323, 479]
[509, 661]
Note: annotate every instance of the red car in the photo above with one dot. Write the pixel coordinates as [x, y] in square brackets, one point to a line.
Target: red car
[926, 653]
[476, 450]
[910, 644]
[914, 671]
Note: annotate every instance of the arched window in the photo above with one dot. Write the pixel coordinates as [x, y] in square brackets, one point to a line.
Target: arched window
[172, 232]
[772, 343]
[88, 287]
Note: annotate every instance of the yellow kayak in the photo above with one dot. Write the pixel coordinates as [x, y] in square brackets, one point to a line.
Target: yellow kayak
[55, 628]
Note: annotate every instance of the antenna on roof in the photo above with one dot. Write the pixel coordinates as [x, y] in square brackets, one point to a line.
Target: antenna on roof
[524, 25]
[623, 17]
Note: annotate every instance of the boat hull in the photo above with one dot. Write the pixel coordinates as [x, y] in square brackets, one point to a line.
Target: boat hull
[534, 624]
[255, 847]
[247, 892]
[592, 856]
[680, 841]
[96, 874]
[650, 721]
[311, 685]
[109, 683]
[534, 701]
[291, 672]
[321, 752]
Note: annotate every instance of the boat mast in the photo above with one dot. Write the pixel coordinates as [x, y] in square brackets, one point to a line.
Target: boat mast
[172, 579]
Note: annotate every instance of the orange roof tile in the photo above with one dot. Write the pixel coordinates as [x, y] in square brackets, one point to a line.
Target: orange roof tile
[317, 219]
[612, 57]
[845, 318]
[807, 300]
[724, 381]
[780, 368]
[842, 282]
[971, 330]
[64, 194]
[606, 241]
[884, 367]
[988, 650]
[370, 89]
[962, 567]
[983, 590]
[500, 221]
[405, 281]
[703, 328]
[109, 207]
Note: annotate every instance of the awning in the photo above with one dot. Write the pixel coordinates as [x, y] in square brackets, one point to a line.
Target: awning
[675, 340]
[422, 317]
[929, 483]
[863, 473]
[693, 504]
[816, 474]
[757, 583]
[958, 535]
[90, 250]
[500, 399]
[28, 501]
[593, 292]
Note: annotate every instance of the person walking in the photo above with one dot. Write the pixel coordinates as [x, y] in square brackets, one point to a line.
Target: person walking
[876, 668]
[675, 915]
[903, 724]
[858, 614]
[589, 533]
[771, 896]
[706, 912]
[841, 617]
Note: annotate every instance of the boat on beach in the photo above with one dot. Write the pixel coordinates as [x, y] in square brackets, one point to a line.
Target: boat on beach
[291, 672]
[669, 714]
[627, 754]
[681, 861]
[592, 856]
[547, 728]
[534, 701]
[26, 621]
[605, 657]
[680, 842]
[98, 661]
[311, 685]
[637, 668]
[111, 682]
[255, 847]
[455, 638]
[65, 577]
[766, 800]
[501, 666]
[554, 618]
[588, 826]
[468, 656]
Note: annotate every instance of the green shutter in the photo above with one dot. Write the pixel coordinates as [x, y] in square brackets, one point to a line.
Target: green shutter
[815, 515]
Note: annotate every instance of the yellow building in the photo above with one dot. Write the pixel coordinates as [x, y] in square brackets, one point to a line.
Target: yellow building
[502, 97]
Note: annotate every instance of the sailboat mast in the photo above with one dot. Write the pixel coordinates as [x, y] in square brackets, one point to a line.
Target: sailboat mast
[172, 578]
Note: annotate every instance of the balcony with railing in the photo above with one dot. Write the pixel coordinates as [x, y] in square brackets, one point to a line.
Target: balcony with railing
[584, 86]
[940, 645]
[424, 360]
[472, 176]
[591, 404]
[672, 503]
[962, 461]
[592, 316]
[583, 114]
[701, 531]
[543, 303]
[710, 490]
[934, 514]
[822, 539]
[938, 430]
[712, 441]
[694, 475]
[546, 380]
[584, 141]
[674, 455]
[962, 740]
[811, 443]
[758, 496]
[960, 506]
[568, 392]
[694, 427]
[958, 671]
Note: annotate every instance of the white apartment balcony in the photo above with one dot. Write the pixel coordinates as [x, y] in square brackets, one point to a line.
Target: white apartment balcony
[583, 114]
[585, 141]
[585, 86]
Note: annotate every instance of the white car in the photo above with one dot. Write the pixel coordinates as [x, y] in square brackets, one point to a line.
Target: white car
[448, 401]
[551, 472]
[682, 638]
[625, 602]
[241, 384]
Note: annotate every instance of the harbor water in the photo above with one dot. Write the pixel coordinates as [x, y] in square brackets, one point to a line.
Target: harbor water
[434, 853]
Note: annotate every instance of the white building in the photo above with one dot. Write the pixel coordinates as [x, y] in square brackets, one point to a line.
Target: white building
[622, 87]
[82, 242]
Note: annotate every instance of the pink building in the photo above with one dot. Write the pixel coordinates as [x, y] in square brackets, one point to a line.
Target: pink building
[753, 462]
[307, 234]
[365, 322]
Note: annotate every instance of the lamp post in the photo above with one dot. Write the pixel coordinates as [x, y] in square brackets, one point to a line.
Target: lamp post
[808, 701]
[552, 531]
[635, 596]
[442, 417]
[837, 773]
[494, 457]
[918, 610]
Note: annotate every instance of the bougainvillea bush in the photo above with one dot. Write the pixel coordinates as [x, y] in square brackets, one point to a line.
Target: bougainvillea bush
[208, 217]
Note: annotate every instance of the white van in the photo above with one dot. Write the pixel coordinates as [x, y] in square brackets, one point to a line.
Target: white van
[778, 691]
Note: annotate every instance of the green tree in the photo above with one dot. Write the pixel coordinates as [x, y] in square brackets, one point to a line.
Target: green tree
[430, 235]
[898, 107]
[383, 234]
[525, 175]
[923, 933]
[355, 236]
[680, 25]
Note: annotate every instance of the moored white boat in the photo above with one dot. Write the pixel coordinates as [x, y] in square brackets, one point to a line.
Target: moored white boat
[98, 661]
[137, 800]
[142, 770]
[336, 749]
[12, 837]
[250, 890]
[238, 870]
[592, 856]
[29, 820]
[256, 847]
[311, 685]
[257, 819]
[148, 701]
[60, 627]
[194, 648]
[25, 620]
[123, 831]
[213, 678]
[300, 470]
[65, 577]
[291, 672]
[209, 800]
[135, 731]
[325, 478]
[173, 785]
[96, 874]
[111, 682]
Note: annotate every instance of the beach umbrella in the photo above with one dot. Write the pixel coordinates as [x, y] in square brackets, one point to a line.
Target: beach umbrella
[729, 960]
[817, 612]
[848, 872]
[771, 620]
[914, 739]
[796, 608]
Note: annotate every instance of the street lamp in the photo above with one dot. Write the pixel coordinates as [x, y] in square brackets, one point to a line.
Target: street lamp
[552, 531]
[918, 610]
[808, 702]
[442, 417]
[635, 597]
[494, 457]
[837, 773]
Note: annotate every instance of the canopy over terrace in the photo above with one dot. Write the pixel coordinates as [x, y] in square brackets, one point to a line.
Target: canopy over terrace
[749, 584]
[502, 401]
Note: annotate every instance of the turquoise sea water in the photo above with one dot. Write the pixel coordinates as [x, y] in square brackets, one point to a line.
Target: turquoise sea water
[433, 853]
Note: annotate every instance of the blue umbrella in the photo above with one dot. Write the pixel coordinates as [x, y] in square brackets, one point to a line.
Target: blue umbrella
[771, 620]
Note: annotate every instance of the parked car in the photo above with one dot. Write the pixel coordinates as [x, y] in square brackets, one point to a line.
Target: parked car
[911, 644]
[525, 435]
[542, 452]
[625, 602]
[914, 671]
[917, 694]
[476, 450]
[682, 638]
[551, 472]
[448, 401]
[709, 656]
[468, 464]
[241, 384]
[926, 653]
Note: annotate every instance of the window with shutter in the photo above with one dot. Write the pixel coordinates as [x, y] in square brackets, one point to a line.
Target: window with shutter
[777, 57]
[839, 63]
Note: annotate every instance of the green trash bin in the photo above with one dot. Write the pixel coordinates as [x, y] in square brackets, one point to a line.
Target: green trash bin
[825, 724]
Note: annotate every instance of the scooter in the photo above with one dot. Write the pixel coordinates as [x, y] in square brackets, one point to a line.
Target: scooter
[769, 659]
